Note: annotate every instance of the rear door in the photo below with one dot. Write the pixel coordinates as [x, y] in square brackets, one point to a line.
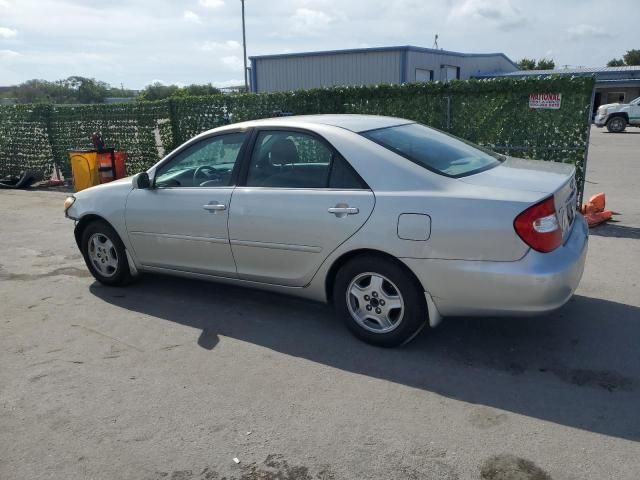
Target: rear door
[299, 202]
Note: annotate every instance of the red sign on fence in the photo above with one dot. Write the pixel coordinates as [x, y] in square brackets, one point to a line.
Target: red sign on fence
[545, 100]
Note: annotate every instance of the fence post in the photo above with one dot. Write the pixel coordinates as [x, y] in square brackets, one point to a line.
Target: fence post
[175, 128]
[448, 113]
[586, 147]
[47, 113]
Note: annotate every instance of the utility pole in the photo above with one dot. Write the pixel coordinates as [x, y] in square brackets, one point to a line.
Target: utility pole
[244, 49]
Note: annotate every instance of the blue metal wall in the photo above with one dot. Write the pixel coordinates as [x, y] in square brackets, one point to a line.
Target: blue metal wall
[273, 73]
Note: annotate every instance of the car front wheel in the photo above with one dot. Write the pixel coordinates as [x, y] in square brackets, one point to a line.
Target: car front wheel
[616, 124]
[379, 301]
[105, 255]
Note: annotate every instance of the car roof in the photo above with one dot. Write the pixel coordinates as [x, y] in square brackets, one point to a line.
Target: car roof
[355, 123]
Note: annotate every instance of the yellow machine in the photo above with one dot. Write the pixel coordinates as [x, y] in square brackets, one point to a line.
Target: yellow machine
[84, 167]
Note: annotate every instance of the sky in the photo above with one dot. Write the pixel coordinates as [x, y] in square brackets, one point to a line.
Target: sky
[138, 42]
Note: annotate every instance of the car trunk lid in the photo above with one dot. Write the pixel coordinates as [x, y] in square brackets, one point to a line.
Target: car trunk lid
[543, 177]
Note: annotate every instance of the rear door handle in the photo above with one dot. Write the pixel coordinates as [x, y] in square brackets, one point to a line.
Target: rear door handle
[214, 207]
[342, 210]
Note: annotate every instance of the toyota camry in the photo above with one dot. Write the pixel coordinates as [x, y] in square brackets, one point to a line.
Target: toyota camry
[396, 224]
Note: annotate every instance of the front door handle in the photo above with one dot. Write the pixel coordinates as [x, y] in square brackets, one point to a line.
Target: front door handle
[342, 210]
[214, 207]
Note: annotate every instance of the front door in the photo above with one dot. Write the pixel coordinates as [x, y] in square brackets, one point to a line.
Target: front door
[634, 112]
[181, 223]
[300, 201]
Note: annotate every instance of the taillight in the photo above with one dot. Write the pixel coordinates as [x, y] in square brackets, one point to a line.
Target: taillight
[538, 226]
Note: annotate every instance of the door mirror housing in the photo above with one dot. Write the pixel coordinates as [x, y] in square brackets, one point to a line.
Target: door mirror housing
[141, 181]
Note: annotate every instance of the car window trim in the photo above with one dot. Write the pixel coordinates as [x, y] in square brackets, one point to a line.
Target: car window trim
[234, 171]
[244, 171]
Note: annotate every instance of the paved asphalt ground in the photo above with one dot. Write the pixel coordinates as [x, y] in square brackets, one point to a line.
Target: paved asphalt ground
[172, 379]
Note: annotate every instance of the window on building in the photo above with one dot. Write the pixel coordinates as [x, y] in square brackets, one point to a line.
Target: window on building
[450, 72]
[615, 97]
[423, 75]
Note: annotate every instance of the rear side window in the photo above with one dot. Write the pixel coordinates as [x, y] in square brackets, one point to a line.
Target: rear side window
[435, 150]
[287, 159]
[344, 176]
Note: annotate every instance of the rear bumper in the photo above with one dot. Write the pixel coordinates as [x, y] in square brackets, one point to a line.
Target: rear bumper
[535, 284]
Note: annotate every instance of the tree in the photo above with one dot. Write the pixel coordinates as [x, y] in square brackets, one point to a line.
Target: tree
[531, 64]
[632, 57]
[70, 90]
[545, 64]
[159, 91]
[527, 64]
[199, 90]
[88, 90]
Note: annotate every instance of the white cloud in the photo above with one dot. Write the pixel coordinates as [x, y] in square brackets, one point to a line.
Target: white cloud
[186, 51]
[499, 12]
[214, 46]
[234, 62]
[8, 54]
[190, 16]
[157, 81]
[309, 22]
[585, 31]
[7, 32]
[230, 83]
[210, 3]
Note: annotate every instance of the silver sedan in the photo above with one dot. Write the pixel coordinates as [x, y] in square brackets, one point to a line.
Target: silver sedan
[397, 224]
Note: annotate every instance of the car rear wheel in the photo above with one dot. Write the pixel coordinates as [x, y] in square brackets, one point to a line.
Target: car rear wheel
[616, 124]
[379, 301]
[105, 255]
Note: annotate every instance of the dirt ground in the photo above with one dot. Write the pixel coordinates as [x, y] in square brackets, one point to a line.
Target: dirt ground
[173, 379]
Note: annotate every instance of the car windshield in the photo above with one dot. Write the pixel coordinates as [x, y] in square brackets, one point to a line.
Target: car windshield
[435, 150]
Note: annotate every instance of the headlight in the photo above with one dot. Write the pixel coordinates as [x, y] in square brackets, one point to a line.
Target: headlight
[68, 202]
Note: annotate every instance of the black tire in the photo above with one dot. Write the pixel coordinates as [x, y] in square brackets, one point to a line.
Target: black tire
[119, 274]
[616, 124]
[413, 316]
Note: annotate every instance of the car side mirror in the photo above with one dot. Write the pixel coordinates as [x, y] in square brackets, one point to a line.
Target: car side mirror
[142, 181]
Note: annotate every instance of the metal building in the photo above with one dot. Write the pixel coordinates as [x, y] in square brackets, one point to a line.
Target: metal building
[369, 66]
[613, 84]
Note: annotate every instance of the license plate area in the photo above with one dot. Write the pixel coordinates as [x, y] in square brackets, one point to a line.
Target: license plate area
[566, 199]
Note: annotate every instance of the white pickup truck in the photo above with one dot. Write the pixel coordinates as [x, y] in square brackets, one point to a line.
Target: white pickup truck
[616, 116]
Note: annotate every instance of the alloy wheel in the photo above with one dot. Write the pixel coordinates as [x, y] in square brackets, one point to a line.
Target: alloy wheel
[375, 302]
[103, 255]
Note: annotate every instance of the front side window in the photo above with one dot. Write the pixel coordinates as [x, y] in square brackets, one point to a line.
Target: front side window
[284, 159]
[434, 150]
[208, 163]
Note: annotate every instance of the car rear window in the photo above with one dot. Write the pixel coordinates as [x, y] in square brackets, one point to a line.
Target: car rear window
[435, 150]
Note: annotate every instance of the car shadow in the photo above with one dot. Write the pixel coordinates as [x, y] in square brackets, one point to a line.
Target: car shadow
[617, 231]
[578, 367]
[626, 132]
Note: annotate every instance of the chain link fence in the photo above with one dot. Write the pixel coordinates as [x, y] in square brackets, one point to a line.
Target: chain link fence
[493, 113]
